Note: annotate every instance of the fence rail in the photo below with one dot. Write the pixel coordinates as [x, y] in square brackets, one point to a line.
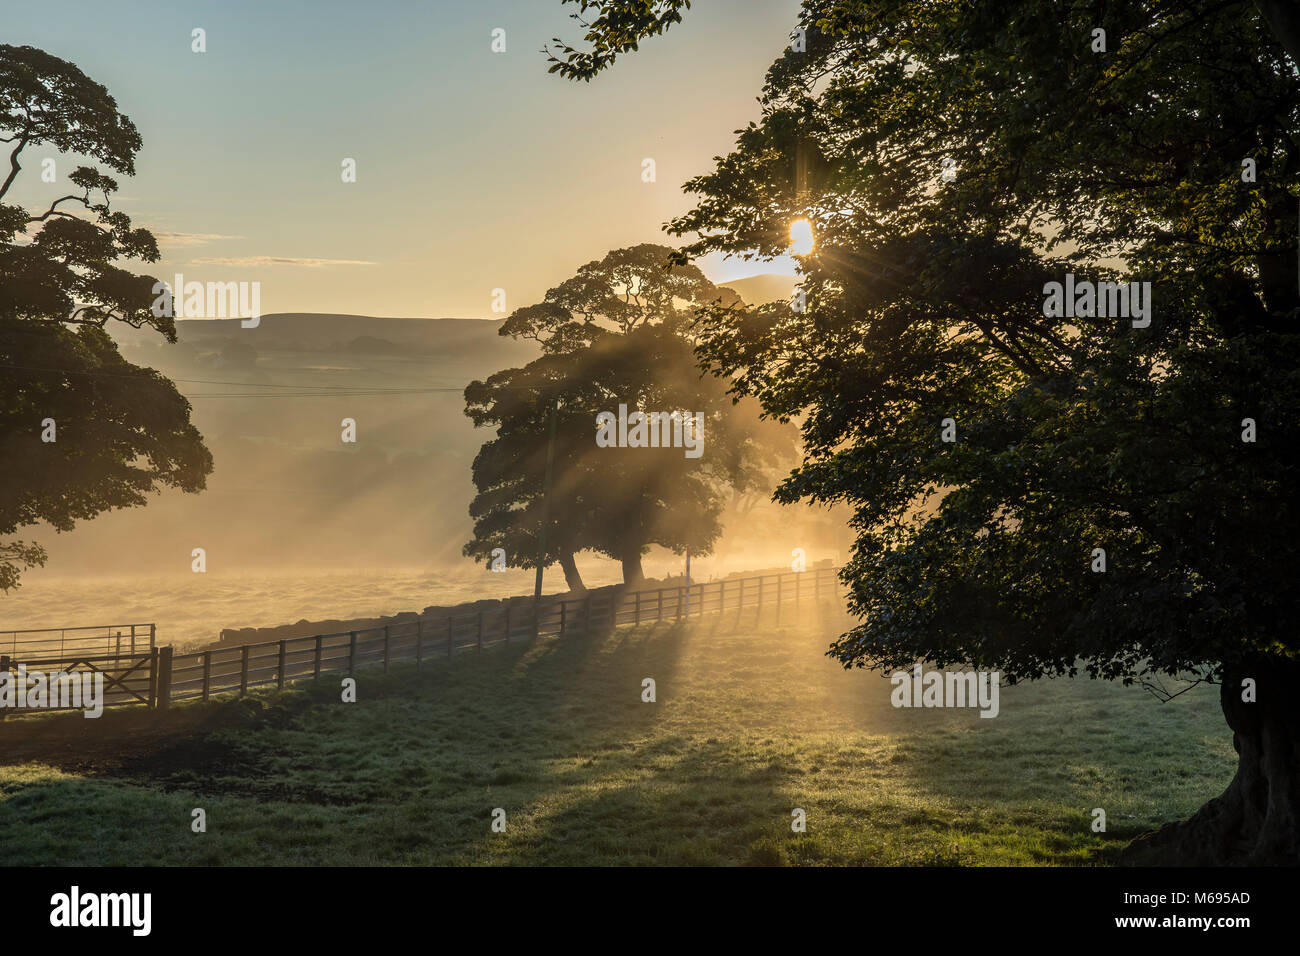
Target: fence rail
[225, 670]
[209, 672]
[139, 678]
[52, 641]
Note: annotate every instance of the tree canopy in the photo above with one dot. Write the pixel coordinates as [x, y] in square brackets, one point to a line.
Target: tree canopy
[82, 431]
[1034, 491]
[618, 26]
[615, 334]
[925, 301]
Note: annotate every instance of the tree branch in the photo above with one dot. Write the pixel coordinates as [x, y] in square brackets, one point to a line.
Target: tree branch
[13, 163]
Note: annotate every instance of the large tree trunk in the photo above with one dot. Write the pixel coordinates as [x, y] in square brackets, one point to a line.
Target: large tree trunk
[632, 573]
[1256, 821]
[571, 576]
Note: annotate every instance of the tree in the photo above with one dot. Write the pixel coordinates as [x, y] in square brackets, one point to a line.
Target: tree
[82, 430]
[615, 334]
[953, 161]
[619, 27]
[509, 469]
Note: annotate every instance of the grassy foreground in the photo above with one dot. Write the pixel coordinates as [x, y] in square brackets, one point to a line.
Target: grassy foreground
[749, 724]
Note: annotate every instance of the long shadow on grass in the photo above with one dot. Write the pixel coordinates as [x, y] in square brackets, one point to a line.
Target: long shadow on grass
[524, 730]
[555, 733]
[1057, 752]
[663, 803]
[686, 780]
[412, 771]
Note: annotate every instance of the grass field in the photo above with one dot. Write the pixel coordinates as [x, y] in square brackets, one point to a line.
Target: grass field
[749, 724]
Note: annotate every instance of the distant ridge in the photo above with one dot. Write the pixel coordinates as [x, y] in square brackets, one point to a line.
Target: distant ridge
[332, 332]
[328, 326]
[760, 289]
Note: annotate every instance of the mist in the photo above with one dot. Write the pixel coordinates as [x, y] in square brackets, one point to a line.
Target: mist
[296, 523]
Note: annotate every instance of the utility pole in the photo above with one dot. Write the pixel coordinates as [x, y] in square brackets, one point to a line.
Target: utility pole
[546, 512]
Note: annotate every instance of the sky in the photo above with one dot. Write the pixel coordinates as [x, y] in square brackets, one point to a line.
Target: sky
[475, 170]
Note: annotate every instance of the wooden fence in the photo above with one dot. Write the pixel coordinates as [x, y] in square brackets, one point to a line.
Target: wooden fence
[128, 639]
[126, 678]
[155, 676]
[209, 672]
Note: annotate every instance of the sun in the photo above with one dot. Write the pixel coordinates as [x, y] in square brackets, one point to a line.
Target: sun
[801, 238]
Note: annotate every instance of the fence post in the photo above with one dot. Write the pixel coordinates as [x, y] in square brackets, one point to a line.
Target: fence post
[352, 652]
[153, 678]
[243, 670]
[386, 643]
[419, 642]
[207, 674]
[164, 677]
[279, 671]
[480, 631]
[153, 635]
[315, 669]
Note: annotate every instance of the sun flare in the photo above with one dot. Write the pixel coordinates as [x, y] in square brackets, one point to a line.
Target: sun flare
[801, 237]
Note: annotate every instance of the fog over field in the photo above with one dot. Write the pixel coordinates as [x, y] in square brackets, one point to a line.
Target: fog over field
[895, 398]
[298, 524]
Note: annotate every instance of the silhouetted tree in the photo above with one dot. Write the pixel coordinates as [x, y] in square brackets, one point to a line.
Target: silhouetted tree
[81, 429]
[509, 470]
[941, 153]
[617, 333]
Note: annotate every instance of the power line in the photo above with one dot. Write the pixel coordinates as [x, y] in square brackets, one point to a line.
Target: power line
[321, 389]
[358, 393]
[303, 390]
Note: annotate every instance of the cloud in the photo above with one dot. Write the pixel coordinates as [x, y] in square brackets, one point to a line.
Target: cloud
[265, 261]
[190, 238]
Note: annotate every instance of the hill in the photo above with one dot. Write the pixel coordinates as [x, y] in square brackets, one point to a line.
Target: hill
[759, 289]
